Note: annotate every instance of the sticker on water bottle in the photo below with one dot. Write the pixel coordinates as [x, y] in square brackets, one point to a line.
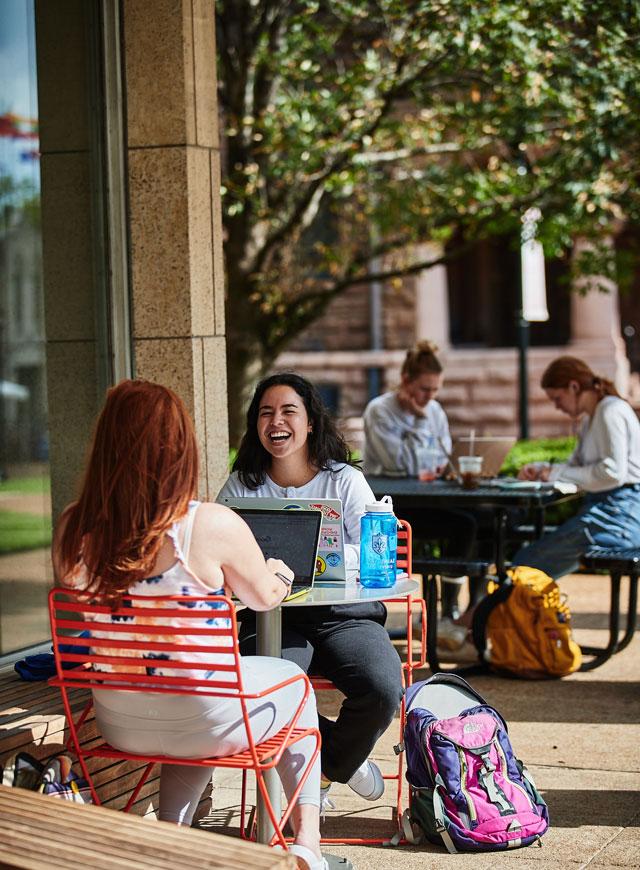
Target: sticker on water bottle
[379, 543]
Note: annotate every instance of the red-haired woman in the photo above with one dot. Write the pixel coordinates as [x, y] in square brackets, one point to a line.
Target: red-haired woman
[136, 529]
[605, 464]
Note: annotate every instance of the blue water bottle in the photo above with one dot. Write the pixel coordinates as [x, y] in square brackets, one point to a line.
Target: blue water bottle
[378, 544]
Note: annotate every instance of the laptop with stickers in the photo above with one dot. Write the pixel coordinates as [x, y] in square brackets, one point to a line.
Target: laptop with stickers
[292, 536]
[330, 561]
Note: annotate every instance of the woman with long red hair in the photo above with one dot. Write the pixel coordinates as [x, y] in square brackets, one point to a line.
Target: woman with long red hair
[605, 464]
[136, 529]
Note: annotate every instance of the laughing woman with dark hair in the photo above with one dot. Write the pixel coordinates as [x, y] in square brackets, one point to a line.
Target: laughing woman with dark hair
[292, 449]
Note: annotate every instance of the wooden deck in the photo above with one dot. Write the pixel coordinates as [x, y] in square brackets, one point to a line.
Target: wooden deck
[32, 720]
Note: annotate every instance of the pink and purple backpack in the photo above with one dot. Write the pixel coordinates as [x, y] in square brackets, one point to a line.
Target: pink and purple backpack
[469, 792]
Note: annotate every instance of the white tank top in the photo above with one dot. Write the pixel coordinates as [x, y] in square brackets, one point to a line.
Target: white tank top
[176, 580]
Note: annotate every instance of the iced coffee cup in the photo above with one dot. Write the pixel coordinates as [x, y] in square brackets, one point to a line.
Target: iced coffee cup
[428, 462]
[470, 470]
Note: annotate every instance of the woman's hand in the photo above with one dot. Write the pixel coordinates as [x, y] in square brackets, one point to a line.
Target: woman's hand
[278, 567]
[535, 471]
[408, 403]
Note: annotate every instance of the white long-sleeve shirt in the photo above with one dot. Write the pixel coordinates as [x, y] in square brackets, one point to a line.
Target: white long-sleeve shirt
[341, 481]
[394, 437]
[608, 450]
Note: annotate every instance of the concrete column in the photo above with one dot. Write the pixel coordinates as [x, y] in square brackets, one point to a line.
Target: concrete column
[175, 236]
[596, 334]
[175, 219]
[63, 59]
[432, 300]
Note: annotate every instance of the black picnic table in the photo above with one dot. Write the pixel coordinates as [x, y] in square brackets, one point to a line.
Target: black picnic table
[411, 493]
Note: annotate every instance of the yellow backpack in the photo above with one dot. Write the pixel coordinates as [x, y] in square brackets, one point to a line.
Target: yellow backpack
[524, 627]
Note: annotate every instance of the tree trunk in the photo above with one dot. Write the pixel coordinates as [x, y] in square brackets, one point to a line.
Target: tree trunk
[245, 366]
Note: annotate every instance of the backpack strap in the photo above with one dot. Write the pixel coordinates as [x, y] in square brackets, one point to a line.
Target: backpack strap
[440, 815]
[482, 613]
[494, 793]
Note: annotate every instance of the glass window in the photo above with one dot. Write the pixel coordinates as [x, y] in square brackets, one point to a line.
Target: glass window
[25, 504]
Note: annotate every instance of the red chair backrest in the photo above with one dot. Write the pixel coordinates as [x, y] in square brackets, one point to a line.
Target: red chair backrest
[193, 640]
[405, 543]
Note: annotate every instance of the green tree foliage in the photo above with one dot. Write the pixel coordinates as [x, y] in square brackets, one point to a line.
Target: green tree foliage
[353, 129]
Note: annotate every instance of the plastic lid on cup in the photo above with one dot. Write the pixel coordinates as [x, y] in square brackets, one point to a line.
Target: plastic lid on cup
[384, 506]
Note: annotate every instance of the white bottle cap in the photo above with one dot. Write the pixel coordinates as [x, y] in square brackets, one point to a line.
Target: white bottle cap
[384, 506]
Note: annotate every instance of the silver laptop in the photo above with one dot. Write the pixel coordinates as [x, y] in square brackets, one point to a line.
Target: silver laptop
[330, 562]
[292, 536]
[493, 449]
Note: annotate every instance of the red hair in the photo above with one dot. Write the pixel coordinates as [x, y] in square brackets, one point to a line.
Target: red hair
[564, 369]
[141, 474]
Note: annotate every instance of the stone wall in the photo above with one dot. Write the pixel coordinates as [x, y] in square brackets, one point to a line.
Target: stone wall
[480, 388]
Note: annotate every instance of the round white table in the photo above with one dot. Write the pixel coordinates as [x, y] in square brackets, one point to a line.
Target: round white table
[269, 643]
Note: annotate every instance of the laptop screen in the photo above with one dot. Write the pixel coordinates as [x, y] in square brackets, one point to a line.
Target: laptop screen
[288, 535]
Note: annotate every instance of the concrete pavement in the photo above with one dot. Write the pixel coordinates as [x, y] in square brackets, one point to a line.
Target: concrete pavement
[578, 736]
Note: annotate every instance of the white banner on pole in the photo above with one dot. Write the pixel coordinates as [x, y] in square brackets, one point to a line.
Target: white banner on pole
[534, 288]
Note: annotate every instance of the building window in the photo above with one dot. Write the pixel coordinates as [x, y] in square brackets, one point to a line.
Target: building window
[25, 504]
[484, 293]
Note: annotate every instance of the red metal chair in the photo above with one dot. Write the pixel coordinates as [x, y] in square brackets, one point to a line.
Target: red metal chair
[123, 644]
[404, 562]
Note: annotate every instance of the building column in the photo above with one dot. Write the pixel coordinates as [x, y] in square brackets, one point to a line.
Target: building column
[596, 333]
[174, 214]
[432, 300]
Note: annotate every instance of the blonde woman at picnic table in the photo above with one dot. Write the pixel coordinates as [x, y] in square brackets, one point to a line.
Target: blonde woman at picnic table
[605, 465]
[137, 529]
[399, 426]
[292, 449]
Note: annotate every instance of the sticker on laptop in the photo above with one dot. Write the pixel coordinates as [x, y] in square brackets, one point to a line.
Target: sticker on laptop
[330, 538]
[333, 560]
[328, 512]
[321, 566]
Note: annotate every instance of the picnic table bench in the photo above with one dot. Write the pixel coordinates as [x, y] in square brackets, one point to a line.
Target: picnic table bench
[38, 832]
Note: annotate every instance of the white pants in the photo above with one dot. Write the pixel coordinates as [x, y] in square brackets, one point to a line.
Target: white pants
[190, 726]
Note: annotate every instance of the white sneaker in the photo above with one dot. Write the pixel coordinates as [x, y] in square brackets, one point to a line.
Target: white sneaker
[450, 635]
[367, 781]
[325, 801]
[465, 654]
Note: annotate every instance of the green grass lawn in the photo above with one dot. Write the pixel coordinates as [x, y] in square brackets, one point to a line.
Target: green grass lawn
[26, 485]
[20, 531]
[537, 450]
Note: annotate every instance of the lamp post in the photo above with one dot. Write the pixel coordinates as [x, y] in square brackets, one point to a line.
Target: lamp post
[533, 305]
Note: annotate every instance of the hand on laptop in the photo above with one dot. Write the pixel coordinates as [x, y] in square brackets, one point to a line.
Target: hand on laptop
[534, 471]
[277, 566]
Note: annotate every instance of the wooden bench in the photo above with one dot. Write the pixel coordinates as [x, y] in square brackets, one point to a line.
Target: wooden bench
[39, 832]
[619, 564]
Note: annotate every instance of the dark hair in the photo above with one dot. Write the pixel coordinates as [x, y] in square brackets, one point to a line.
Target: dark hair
[141, 473]
[325, 443]
[421, 360]
[565, 369]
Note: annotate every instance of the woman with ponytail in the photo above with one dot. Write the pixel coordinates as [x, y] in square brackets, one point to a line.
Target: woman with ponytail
[605, 464]
[398, 427]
